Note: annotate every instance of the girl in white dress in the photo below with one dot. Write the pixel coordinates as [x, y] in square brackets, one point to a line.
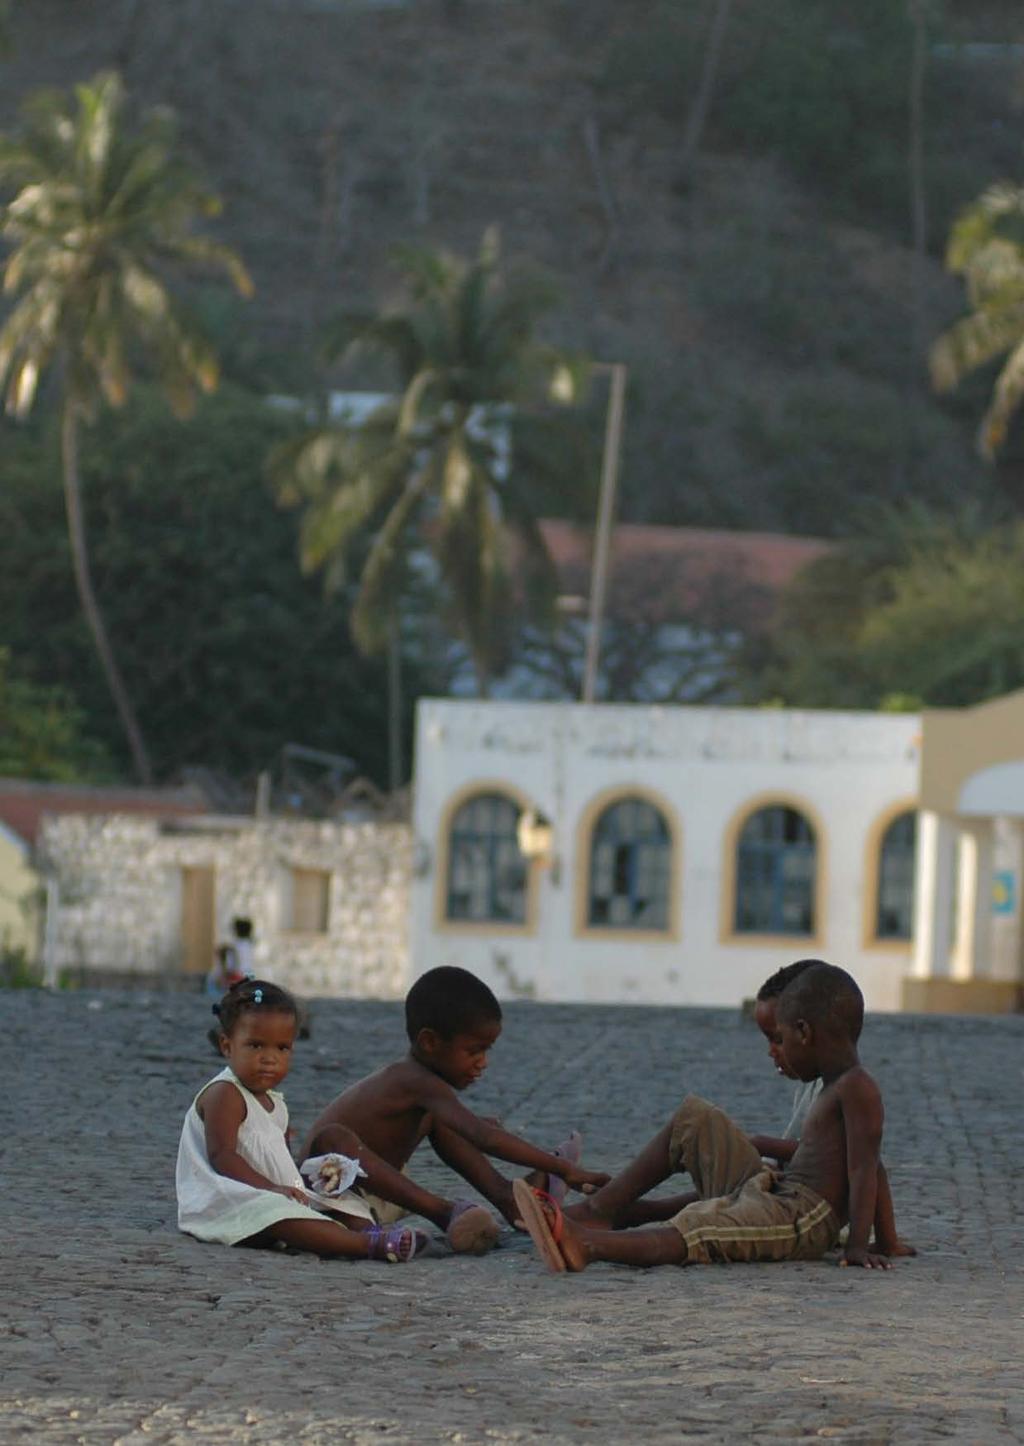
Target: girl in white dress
[236, 1180]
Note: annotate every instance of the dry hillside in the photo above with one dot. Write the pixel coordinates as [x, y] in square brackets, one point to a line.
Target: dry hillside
[766, 324]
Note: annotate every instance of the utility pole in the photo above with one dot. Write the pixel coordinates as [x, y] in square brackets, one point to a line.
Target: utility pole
[605, 518]
[395, 766]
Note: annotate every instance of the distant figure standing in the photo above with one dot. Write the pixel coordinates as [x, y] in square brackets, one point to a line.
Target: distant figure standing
[234, 961]
[243, 961]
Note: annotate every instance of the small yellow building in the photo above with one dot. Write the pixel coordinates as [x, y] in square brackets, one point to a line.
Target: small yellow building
[20, 897]
[968, 941]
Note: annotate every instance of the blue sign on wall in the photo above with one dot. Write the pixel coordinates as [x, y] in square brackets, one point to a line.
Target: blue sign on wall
[1004, 891]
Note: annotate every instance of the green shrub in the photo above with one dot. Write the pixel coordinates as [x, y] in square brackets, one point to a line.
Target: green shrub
[17, 971]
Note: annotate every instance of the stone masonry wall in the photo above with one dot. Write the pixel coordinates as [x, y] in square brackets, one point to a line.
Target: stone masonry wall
[120, 897]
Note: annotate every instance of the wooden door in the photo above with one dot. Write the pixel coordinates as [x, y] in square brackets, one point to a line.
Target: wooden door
[198, 920]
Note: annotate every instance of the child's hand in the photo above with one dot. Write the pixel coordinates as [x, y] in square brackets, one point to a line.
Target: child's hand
[586, 1181]
[869, 1259]
[292, 1192]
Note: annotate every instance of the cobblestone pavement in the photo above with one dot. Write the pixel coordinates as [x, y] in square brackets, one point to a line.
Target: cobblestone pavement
[115, 1328]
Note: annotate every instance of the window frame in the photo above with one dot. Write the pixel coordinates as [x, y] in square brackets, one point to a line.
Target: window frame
[490, 927]
[327, 879]
[870, 892]
[728, 932]
[592, 814]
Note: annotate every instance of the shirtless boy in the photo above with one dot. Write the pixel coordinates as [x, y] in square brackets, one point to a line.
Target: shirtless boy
[783, 1148]
[452, 1020]
[745, 1211]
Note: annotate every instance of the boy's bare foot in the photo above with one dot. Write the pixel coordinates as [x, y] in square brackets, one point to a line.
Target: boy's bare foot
[472, 1229]
[897, 1249]
[559, 1241]
[583, 1213]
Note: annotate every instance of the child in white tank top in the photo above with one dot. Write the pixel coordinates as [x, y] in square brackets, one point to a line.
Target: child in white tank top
[237, 1183]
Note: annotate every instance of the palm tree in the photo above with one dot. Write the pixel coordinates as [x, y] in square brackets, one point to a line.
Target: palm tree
[456, 463]
[99, 214]
[987, 248]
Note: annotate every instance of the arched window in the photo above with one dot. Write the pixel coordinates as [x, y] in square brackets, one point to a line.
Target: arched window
[775, 873]
[894, 911]
[487, 874]
[630, 867]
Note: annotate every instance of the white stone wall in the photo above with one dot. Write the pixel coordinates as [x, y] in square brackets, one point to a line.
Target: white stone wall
[120, 907]
[706, 765]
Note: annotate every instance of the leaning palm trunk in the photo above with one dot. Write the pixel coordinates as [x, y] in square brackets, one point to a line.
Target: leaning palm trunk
[700, 107]
[87, 597]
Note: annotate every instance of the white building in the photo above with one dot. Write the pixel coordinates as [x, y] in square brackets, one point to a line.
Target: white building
[605, 853]
[683, 854]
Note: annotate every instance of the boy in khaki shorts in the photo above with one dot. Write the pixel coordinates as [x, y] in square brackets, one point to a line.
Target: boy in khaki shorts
[747, 1211]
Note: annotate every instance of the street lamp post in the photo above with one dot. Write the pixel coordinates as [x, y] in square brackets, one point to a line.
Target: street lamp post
[605, 519]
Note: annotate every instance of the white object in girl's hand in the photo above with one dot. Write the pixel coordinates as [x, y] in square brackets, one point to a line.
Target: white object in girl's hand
[331, 1174]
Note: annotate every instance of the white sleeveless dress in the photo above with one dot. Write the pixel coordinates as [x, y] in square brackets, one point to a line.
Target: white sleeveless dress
[215, 1207]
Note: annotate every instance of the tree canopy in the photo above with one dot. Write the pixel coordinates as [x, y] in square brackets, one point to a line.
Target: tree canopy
[43, 732]
[103, 205]
[918, 611]
[228, 650]
[458, 463]
[986, 247]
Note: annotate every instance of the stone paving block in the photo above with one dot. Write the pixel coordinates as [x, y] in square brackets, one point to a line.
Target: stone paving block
[115, 1328]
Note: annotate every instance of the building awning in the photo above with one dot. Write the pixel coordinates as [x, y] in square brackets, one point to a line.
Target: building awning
[972, 759]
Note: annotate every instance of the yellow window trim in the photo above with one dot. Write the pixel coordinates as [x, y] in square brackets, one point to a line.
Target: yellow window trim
[727, 932]
[482, 928]
[872, 869]
[582, 928]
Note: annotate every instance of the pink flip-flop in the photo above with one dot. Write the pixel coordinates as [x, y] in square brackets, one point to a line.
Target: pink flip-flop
[542, 1217]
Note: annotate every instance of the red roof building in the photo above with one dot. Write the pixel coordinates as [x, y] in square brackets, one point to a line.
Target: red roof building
[24, 803]
[683, 574]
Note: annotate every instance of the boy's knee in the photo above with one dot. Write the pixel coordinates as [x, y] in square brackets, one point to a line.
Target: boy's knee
[683, 1126]
[336, 1139]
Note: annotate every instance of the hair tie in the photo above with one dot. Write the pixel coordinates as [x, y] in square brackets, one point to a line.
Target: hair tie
[257, 996]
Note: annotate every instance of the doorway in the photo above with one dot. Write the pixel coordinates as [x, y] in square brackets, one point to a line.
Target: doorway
[198, 919]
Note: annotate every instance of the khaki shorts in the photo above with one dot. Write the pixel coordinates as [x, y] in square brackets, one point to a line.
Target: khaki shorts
[746, 1211]
[385, 1212]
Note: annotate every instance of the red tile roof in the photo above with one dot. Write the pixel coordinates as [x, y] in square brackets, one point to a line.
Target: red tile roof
[25, 803]
[683, 574]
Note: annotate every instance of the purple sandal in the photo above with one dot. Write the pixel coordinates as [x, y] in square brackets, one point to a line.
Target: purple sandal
[397, 1244]
[570, 1149]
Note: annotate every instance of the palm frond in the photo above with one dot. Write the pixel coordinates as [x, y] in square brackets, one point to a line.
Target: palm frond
[1008, 395]
[29, 339]
[465, 453]
[972, 342]
[986, 247]
[100, 206]
[982, 222]
[377, 595]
